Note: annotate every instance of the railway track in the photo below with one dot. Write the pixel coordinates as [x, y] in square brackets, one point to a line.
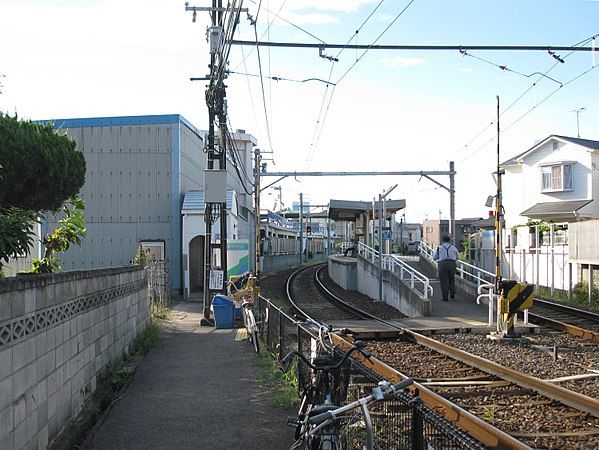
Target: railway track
[576, 321]
[537, 413]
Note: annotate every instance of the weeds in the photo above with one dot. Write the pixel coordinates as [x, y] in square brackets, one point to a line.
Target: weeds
[283, 386]
[580, 296]
[146, 340]
[489, 413]
[116, 376]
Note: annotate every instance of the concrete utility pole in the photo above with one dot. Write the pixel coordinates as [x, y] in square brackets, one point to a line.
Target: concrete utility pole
[215, 175]
[301, 226]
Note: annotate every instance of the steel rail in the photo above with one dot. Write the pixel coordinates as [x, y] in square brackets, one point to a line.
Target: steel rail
[564, 326]
[346, 306]
[553, 391]
[482, 431]
[547, 389]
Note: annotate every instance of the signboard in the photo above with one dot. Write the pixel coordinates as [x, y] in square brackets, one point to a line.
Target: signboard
[216, 280]
[386, 234]
[238, 257]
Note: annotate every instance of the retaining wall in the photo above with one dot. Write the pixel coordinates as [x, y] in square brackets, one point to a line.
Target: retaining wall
[57, 333]
[273, 263]
[396, 292]
[344, 272]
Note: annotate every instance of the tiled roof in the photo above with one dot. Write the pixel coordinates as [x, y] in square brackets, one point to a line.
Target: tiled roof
[562, 208]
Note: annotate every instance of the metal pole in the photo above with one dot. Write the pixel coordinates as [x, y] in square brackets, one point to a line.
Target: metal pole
[380, 247]
[257, 162]
[301, 225]
[452, 202]
[328, 235]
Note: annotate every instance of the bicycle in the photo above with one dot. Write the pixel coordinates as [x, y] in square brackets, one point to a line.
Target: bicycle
[242, 290]
[321, 423]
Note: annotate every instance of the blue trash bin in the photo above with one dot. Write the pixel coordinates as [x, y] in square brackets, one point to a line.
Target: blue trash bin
[224, 312]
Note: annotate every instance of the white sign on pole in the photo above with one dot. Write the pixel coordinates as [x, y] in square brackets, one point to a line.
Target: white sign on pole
[216, 280]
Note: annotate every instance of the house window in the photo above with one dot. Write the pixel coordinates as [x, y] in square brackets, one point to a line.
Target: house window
[556, 177]
[429, 229]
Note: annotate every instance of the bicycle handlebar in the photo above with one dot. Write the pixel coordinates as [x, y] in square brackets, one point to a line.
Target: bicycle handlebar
[387, 390]
[286, 361]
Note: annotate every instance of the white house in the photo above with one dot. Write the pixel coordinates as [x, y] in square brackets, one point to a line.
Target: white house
[555, 180]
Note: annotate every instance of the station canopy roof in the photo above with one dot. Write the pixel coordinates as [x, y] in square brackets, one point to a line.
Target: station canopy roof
[350, 210]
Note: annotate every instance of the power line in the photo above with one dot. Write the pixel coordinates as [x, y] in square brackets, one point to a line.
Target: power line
[262, 88]
[520, 97]
[312, 147]
[315, 136]
[551, 94]
[290, 23]
[275, 78]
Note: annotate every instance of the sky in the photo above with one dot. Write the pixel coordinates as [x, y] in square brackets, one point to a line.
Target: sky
[392, 111]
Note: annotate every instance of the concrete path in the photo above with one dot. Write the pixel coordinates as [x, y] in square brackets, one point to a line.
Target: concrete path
[198, 389]
[463, 306]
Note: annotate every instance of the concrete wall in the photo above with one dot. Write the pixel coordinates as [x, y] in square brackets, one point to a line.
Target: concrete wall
[344, 272]
[57, 333]
[395, 292]
[273, 263]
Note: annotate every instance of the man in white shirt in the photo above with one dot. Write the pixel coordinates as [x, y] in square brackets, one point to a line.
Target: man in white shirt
[446, 257]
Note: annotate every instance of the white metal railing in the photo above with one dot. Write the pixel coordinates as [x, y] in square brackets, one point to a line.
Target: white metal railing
[407, 273]
[400, 268]
[465, 270]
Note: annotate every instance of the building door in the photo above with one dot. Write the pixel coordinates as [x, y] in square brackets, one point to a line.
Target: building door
[196, 264]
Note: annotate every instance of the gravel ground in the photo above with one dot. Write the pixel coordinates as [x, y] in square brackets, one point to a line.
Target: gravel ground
[359, 300]
[575, 356]
[530, 417]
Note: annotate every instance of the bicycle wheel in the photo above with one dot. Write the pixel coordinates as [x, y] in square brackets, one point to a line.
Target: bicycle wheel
[252, 328]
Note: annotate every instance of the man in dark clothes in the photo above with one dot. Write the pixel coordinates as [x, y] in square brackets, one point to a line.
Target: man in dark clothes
[446, 257]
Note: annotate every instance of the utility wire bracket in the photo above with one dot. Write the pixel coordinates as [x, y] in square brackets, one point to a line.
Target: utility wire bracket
[322, 55]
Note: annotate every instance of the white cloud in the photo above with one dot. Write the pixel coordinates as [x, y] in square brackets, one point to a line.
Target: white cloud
[401, 62]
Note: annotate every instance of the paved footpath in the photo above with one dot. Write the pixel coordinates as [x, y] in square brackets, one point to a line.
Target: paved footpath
[198, 389]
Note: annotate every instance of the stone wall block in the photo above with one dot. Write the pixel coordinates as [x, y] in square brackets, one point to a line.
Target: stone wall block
[29, 298]
[17, 300]
[7, 422]
[32, 426]
[6, 393]
[30, 349]
[5, 308]
[42, 437]
[20, 435]
[6, 362]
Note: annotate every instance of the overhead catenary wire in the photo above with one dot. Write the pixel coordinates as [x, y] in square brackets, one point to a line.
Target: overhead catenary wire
[576, 47]
[326, 112]
[316, 137]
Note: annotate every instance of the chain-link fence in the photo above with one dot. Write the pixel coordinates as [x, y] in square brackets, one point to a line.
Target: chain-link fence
[398, 423]
[159, 282]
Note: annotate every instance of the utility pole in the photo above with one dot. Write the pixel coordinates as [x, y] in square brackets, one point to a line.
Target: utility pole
[257, 165]
[301, 227]
[382, 198]
[498, 214]
[215, 175]
[452, 202]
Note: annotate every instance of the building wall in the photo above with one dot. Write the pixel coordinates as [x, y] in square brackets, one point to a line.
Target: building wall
[522, 186]
[57, 334]
[138, 170]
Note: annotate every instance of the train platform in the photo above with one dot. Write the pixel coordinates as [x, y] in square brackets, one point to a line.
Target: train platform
[199, 388]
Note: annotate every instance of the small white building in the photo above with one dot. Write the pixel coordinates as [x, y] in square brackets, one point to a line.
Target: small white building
[554, 180]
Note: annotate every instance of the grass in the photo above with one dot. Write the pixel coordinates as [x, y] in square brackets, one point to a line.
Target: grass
[141, 345]
[283, 386]
[580, 296]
